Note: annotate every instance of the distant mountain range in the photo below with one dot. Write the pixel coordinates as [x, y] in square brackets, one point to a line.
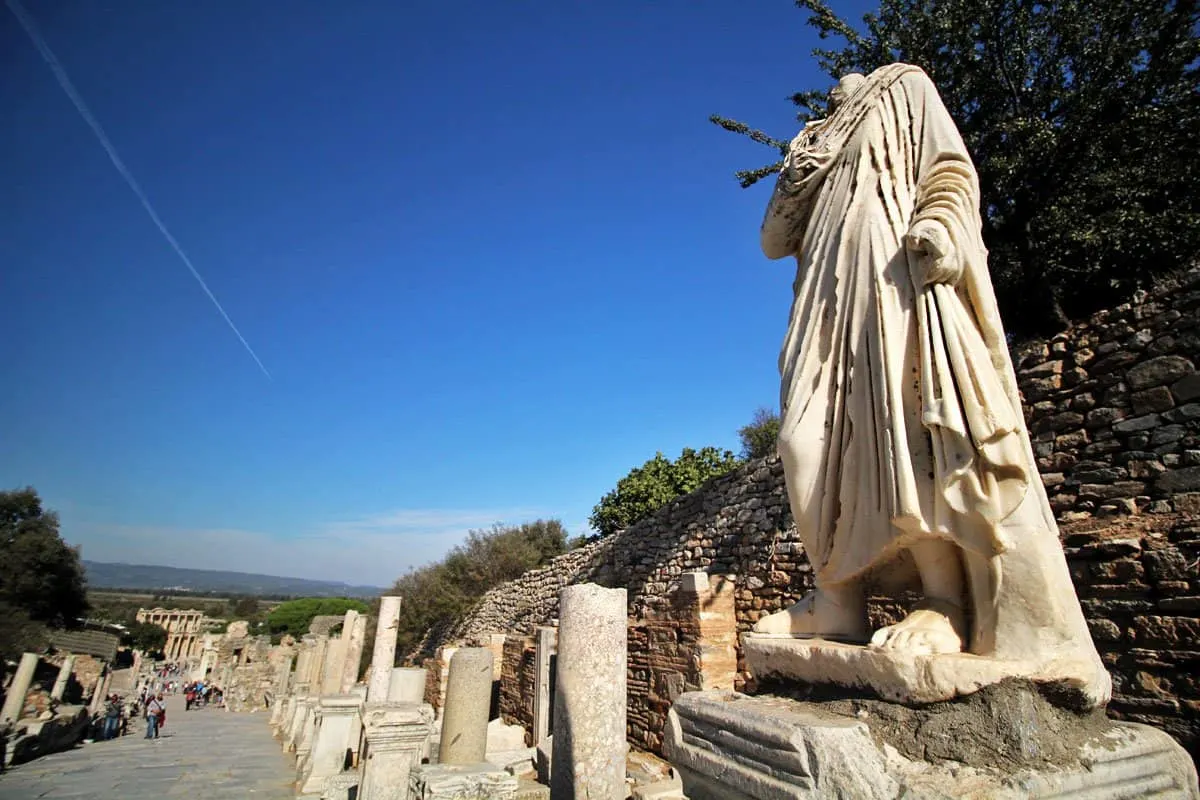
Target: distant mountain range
[101, 575]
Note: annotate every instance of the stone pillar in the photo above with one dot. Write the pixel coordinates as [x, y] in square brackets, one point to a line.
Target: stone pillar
[307, 707]
[330, 741]
[331, 671]
[354, 631]
[407, 685]
[283, 674]
[14, 701]
[100, 692]
[468, 701]
[397, 736]
[590, 696]
[383, 657]
[64, 677]
[545, 649]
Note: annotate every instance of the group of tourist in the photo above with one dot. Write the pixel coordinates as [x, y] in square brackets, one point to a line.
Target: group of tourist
[197, 693]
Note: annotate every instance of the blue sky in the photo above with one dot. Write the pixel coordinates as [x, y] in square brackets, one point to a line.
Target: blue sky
[492, 255]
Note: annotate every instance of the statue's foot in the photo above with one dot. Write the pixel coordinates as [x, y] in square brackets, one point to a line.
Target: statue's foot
[934, 627]
[828, 614]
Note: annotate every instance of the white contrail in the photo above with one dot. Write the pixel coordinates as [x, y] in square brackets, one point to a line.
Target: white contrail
[65, 82]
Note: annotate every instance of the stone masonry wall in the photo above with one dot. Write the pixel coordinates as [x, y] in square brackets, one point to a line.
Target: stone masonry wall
[1113, 406]
[517, 681]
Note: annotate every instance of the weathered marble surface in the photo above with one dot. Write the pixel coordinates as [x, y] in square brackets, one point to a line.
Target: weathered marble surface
[468, 700]
[590, 696]
[897, 675]
[462, 782]
[730, 747]
[383, 656]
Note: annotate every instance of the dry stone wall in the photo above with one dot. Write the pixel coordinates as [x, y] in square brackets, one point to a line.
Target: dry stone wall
[1113, 406]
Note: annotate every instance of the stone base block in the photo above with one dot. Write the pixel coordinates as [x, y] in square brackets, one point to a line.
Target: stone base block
[532, 790]
[898, 676]
[462, 782]
[341, 786]
[733, 747]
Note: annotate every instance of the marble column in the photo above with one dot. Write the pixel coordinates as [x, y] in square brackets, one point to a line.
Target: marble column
[590, 696]
[407, 685]
[397, 736]
[14, 701]
[468, 701]
[100, 692]
[383, 657]
[545, 648]
[354, 631]
[64, 678]
[331, 740]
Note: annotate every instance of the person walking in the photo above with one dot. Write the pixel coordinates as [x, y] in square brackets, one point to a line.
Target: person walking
[154, 707]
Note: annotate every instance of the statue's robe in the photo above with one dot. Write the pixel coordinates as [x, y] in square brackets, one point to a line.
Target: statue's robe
[901, 418]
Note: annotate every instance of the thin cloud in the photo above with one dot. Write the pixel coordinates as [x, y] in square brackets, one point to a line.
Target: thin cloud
[77, 100]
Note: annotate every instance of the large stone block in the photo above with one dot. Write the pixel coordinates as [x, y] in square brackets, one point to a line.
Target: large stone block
[733, 747]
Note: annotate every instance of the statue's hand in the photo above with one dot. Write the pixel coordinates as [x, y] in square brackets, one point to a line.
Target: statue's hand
[930, 242]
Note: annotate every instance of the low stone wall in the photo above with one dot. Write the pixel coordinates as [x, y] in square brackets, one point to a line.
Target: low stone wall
[1140, 591]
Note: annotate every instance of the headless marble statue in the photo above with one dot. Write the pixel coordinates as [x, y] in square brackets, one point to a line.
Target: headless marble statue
[902, 436]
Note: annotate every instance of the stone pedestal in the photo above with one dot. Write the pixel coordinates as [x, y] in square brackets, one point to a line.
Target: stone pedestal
[282, 686]
[459, 781]
[397, 735]
[895, 674]
[64, 677]
[383, 657]
[728, 746]
[14, 701]
[300, 719]
[468, 701]
[305, 732]
[331, 740]
[590, 696]
[407, 685]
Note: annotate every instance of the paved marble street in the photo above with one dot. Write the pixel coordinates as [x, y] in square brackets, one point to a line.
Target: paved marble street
[206, 754]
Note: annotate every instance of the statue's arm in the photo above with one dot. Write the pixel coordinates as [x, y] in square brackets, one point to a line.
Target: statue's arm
[947, 188]
[787, 213]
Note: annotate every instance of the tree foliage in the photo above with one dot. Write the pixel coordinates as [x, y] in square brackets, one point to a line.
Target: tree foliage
[440, 593]
[649, 487]
[145, 636]
[40, 575]
[295, 616]
[760, 436]
[1083, 119]
[242, 608]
